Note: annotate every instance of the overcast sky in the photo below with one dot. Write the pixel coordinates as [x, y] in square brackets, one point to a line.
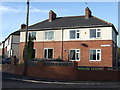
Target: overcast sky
[13, 14]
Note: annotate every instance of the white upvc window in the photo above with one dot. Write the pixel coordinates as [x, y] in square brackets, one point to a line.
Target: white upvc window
[48, 53]
[49, 35]
[74, 55]
[74, 34]
[95, 33]
[95, 54]
[33, 35]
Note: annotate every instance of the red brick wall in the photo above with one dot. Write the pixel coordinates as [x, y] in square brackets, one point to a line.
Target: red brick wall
[106, 52]
[63, 72]
[99, 75]
[21, 48]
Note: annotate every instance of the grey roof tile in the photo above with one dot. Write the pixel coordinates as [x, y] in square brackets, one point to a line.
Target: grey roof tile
[73, 21]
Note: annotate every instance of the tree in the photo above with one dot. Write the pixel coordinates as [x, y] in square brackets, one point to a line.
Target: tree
[28, 49]
[28, 52]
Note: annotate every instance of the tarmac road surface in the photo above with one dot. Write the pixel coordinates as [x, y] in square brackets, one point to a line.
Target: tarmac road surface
[16, 82]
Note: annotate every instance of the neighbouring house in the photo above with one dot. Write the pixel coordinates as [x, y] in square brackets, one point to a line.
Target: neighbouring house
[10, 46]
[86, 39]
[0, 49]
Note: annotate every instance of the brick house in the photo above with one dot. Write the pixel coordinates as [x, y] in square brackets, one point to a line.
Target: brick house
[10, 46]
[88, 40]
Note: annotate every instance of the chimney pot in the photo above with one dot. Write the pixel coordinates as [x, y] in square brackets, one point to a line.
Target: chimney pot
[88, 13]
[23, 26]
[52, 16]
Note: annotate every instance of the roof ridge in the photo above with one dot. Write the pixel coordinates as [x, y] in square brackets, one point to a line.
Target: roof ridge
[71, 16]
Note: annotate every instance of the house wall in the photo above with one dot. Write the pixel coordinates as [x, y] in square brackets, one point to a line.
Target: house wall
[1, 47]
[114, 36]
[8, 47]
[11, 47]
[106, 51]
[15, 45]
[84, 34]
[105, 43]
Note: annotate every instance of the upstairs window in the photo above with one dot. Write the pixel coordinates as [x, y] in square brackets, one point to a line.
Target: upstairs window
[33, 35]
[49, 35]
[75, 34]
[95, 33]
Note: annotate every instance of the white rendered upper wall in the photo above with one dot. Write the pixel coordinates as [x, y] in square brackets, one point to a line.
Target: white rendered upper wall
[106, 34]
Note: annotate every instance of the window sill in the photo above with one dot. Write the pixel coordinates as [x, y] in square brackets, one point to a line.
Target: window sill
[74, 60]
[95, 60]
[74, 39]
[49, 40]
[96, 38]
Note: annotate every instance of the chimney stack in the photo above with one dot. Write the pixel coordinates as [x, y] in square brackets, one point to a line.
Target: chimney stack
[88, 13]
[52, 16]
[23, 26]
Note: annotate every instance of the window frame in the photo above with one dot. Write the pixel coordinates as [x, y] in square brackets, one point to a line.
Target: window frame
[96, 54]
[76, 32]
[31, 33]
[47, 53]
[47, 39]
[96, 35]
[75, 54]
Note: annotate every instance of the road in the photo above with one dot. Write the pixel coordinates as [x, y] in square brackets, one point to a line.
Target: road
[11, 81]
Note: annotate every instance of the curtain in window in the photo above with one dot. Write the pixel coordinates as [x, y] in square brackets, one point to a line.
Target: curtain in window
[46, 36]
[72, 54]
[45, 53]
[50, 53]
[93, 33]
[72, 34]
[92, 54]
[50, 35]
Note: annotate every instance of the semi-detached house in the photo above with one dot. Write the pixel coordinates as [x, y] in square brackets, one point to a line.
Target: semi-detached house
[10, 46]
[85, 39]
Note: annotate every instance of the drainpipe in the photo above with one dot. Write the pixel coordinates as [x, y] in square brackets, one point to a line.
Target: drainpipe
[11, 54]
[62, 44]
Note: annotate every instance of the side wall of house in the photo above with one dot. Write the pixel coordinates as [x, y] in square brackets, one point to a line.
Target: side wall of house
[1, 47]
[7, 50]
[15, 45]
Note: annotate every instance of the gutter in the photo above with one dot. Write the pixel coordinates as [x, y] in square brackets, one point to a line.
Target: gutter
[56, 28]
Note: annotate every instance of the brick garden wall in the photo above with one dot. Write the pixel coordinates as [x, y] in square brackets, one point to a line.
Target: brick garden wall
[63, 72]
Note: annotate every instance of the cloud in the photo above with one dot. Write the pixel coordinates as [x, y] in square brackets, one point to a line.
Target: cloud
[35, 10]
[39, 11]
[8, 9]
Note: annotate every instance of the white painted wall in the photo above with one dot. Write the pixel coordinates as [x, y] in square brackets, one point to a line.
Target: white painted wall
[15, 39]
[15, 50]
[106, 34]
[13, 45]
[22, 36]
[114, 36]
